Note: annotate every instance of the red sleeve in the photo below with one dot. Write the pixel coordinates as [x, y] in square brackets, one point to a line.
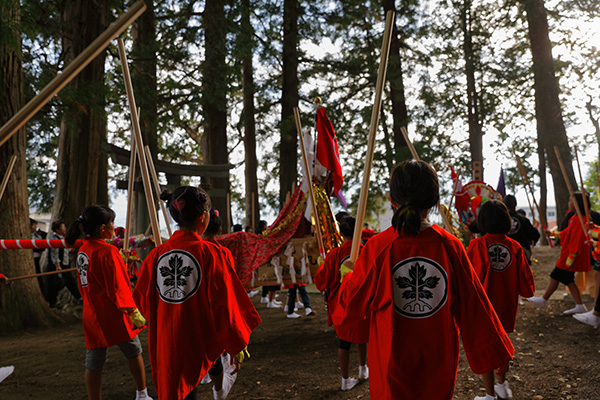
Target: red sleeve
[114, 279]
[328, 273]
[144, 283]
[526, 280]
[477, 253]
[485, 342]
[234, 314]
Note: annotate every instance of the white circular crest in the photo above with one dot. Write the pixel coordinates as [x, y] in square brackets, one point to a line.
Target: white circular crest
[515, 225]
[420, 287]
[178, 276]
[82, 267]
[500, 256]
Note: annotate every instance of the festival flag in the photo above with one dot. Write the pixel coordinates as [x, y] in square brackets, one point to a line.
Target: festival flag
[462, 199]
[501, 188]
[327, 149]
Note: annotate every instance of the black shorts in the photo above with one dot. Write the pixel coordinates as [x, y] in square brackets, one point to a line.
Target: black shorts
[563, 276]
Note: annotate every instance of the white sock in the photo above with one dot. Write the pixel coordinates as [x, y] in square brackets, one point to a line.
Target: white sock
[143, 391]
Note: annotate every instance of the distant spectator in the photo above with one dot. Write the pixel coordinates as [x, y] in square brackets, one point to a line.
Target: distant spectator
[237, 228]
[37, 234]
[58, 259]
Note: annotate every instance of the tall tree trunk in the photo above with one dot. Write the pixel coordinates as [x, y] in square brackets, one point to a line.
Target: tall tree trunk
[214, 98]
[144, 81]
[82, 160]
[548, 114]
[395, 77]
[288, 148]
[474, 120]
[252, 209]
[543, 189]
[21, 303]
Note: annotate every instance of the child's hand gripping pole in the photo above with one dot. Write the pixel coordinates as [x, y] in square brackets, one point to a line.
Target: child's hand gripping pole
[346, 268]
[138, 319]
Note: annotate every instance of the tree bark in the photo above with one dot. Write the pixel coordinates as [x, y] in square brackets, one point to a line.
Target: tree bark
[548, 114]
[288, 148]
[144, 81]
[82, 160]
[214, 98]
[252, 208]
[473, 117]
[543, 190]
[21, 302]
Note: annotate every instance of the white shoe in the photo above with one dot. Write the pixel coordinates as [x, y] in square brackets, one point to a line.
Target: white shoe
[349, 383]
[363, 372]
[277, 302]
[264, 300]
[285, 308]
[299, 305]
[142, 395]
[293, 315]
[228, 381]
[538, 301]
[578, 309]
[252, 293]
[502, 390]
[273, 305]
[226, 361]
[309, 311]
[206, 380]
[486, 397]
[5, 372]
[588, 318]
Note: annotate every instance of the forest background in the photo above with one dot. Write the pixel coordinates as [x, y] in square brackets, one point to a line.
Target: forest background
[217, 82]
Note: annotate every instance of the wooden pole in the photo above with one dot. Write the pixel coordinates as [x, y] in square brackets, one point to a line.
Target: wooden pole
[70, 72]
[583, 192]
[139, 146]
[157, 189]
[18, 278]
[571, 192]
[412, 149]
[6, 178]
[308, 177]
[130, 187]
[527, 185]
[364, 191]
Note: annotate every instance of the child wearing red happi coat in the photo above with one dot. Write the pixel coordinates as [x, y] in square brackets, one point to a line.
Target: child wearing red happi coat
[195, 304]
[503, 269]
[574, 257]
[327, 278]
[415, 286]
[110, 316]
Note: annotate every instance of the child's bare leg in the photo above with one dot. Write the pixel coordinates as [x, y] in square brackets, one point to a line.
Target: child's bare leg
[488, 382]
[575, 292]
[344, 357]
[93, 384]
[218, 381]
[501, 377]
[136, 366]
[551, 288]
[362, 353]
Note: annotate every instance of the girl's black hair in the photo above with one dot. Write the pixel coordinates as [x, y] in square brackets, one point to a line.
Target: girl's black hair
[186, 204]
[91, 219]
[579, 198]
[214, 224]
[346, 223]
[493, 217]
[414, 187]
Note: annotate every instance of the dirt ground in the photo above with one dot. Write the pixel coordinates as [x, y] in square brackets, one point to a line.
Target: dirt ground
[556, 358]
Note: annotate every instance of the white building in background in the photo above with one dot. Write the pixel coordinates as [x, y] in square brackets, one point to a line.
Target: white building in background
[551, 216]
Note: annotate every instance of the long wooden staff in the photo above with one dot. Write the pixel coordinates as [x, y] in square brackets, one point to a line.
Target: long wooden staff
[11, 164]
[18, 278]
[130, 187]
[583, 192]
[157, 188]
[309, 184]
[70, 72]
[364, 191]
[571, 193]
[527, 185]
[139, 146]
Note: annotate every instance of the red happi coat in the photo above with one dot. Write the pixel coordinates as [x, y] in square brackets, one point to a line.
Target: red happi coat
[504, 272]
[105, 288]
[196, 308]
[328, 276]
[572, 240]
[420, 292]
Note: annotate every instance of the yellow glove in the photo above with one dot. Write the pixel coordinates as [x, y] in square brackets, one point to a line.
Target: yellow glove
[344, 271]
[320, 260]
[137, 318]
[242, 354]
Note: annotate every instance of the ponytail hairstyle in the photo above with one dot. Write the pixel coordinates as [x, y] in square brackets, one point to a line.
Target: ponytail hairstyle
[346, 223]
[214, 224]
[186, 204]
[414, 187]
[90, 220]
[493, 217]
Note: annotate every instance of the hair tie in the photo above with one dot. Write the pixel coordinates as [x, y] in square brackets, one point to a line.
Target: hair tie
[179, 204]
[80, 219]
[217, 213]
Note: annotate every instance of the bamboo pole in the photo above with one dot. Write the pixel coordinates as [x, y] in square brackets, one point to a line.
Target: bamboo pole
[157, 189]
[140, 143]
[70, 72]
[412, 149]
[130, 187]
[18, 278]
[6, 178]
[583, 192]
[527, 185]
[571, 192]
[308, 177]
[364, 191]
